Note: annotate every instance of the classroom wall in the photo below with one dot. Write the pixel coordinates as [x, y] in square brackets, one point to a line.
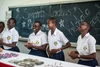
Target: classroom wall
[4, 4]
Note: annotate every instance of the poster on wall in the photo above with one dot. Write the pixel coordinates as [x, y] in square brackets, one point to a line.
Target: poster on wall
[8, 15]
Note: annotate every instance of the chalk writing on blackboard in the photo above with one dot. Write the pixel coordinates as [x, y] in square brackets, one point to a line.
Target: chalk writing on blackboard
[69, 17]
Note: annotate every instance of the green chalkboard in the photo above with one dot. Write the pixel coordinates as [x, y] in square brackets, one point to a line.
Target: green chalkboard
[69, 16]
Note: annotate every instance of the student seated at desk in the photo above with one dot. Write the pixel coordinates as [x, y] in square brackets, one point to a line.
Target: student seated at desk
[37, 41]
[2, 26]
[57, 41]
[10, 36]
[86, 49]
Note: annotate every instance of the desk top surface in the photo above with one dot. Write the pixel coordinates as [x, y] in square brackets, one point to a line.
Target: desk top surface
[47, 62]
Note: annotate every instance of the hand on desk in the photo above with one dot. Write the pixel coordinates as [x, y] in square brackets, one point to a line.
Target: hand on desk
[73, 54]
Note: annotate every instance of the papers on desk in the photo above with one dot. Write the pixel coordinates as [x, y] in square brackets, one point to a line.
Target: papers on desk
[8, 55]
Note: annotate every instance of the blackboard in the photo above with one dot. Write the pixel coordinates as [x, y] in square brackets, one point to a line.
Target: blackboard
[69, 16]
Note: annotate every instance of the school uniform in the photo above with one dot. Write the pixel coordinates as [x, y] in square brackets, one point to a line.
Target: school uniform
[86, 46]
[56, 41]
[1, 34]
[9, 37]
[38, 39]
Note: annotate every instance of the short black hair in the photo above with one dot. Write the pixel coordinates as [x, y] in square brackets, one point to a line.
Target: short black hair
[38, 22]
[2, 23]
[12, 19]
[53, 19]
[89, 25]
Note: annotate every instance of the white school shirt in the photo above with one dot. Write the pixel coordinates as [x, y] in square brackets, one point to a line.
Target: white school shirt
[1, 34]
[57, 39]
[39, 39]
[9, 37]
[86, 45]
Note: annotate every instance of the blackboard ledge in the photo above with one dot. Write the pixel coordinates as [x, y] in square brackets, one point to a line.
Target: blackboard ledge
[73, 44]
[23, 39]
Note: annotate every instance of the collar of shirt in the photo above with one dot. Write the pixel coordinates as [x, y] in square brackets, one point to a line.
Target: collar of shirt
[2, 32]
[38, 33]
[55, 32]
[11, 29]
[86, 35]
